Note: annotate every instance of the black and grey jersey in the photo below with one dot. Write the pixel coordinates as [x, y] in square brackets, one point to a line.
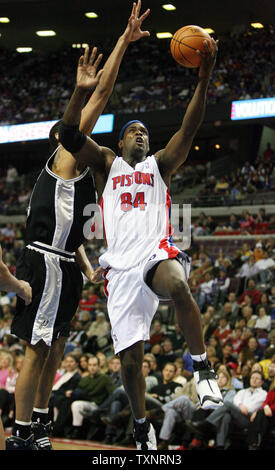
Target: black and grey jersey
[55, 213]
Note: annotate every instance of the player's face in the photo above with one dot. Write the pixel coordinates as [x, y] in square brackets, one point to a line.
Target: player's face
[135, 141]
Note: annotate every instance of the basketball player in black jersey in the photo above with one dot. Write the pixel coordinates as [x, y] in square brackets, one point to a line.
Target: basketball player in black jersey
[168, 279]
[54, 233]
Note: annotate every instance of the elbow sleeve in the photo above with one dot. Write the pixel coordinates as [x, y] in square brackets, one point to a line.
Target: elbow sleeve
[71, 138]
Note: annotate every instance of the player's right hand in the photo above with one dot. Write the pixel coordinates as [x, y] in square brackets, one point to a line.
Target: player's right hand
[26, 292]
[87, 76]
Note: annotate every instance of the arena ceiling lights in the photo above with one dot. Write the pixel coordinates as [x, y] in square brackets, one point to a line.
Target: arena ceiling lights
[91, 14]
[257, 25]
[46, 33]
[164, 35]
[169, 7]
[23, 49]
[4, 19]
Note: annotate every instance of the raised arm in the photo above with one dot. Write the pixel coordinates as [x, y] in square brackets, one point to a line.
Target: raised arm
[177, 149]
[103, 91]
[78, 118]
[86, 268]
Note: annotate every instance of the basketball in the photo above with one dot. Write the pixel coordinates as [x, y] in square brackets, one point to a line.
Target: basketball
[185, 43]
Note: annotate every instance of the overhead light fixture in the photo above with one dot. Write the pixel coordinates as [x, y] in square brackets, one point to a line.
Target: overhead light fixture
[169, 7]
[209, 30]
[217, 146]
[78, 45]
[4, 19]
[257, 25]
[91, 14]
[197, 147]
[164, 35]
[24, 49]
[46, 33]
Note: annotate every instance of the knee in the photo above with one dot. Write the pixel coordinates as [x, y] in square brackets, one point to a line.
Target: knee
[178, 289]
[38, 354]
[131, 365]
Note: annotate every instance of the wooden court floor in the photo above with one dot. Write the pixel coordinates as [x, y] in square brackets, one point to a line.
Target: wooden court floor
[68, 444]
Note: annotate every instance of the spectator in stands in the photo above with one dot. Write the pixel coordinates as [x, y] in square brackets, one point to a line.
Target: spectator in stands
[223, 331]
[261, 216]
[263, 323]
[246, 272]
[266, 267]
[247, 223]
[220, 287]
[83, 365]
[182, 408]
[208, 323]
[11, 178]
[87, 301]
[210, 225]
[227, 356]
[91, 391]
[269, 152]
[233, 223]
[269, 357]
[97, 332]
[157, 334]
[77, 338]
[244, 404]
[254, 293]
[67, 381]
[255, 348]
[258, 252]
[114, 370]
[262, 420]
[154, 371]
[234, 304]
[177, 340]
[205, 293]
[167, 355]
[247, 168]
[250, 319]
[103, 362]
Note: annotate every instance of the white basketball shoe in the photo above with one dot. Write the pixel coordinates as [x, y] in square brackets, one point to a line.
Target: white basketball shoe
[207, 387]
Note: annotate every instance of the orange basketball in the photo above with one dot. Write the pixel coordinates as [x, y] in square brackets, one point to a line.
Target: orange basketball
[185, 43]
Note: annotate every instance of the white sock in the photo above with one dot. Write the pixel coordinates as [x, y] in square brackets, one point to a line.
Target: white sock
[41, 410]
[199, 357]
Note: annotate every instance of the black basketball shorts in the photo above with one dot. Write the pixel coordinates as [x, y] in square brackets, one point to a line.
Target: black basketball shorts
[56, 290]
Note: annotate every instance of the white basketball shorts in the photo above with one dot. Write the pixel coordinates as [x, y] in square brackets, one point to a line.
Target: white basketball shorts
[131, 303]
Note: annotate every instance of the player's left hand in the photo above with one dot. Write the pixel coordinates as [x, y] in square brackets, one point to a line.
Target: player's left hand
[133, 31]
[208, 59]
[97, 276]
[87, 76]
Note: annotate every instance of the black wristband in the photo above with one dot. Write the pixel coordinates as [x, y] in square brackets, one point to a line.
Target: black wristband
[71, 138]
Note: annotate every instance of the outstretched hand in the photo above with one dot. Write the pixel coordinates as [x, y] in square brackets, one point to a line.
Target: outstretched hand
[133, 31]
[87, 76]
[97, 276]
[208, 59]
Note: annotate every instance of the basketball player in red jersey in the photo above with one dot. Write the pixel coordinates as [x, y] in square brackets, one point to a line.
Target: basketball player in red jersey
[141, 263]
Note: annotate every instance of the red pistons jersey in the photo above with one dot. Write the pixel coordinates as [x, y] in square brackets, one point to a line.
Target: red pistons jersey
[135, 207]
